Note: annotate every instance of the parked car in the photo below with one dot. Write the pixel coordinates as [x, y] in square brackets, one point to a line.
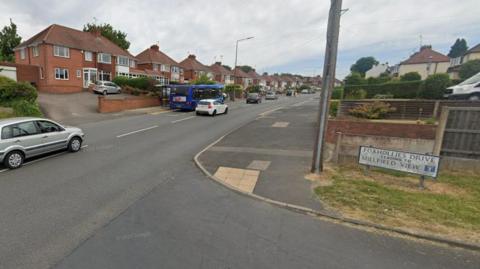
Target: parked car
[271, 96]
[290, 93]
[211, 107]
[305, 91]
[22, 138]
[469, 89]
[106, 87]
[254, 98]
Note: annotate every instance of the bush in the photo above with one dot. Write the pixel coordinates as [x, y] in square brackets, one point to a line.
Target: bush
[337, 93]
[469, 69]
[357, 94]
[354, 79]
[142, 83]
[203, 80]
[334, 108]
[254, 88]
[11, 91]
[399, 89]
[434, 86]
[24, 108]
[411, 76]
[5, 80]
[375, 110]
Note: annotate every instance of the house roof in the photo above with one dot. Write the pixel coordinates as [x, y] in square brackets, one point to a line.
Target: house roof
[154, 55]
[238, 72]
[191, 63]
[426, 55]
[217, 68]
[64, 36]
[474, 49]
[253, 74]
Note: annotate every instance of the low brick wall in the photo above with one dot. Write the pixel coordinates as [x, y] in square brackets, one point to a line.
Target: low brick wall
[108, 105]
[413, 131]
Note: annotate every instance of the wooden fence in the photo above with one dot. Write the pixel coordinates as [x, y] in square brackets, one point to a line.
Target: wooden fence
[409, 109]
[458, 133]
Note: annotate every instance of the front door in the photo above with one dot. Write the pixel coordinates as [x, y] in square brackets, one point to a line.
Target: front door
[89, 76]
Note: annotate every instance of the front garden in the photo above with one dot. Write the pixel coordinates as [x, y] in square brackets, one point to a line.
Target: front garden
[18, 99]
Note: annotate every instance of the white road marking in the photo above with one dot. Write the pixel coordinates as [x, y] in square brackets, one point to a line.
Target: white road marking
[138, 131]
[269, 111]
[191, 117]
[301, 103]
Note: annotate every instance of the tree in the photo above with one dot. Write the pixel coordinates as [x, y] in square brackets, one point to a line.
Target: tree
[363, 64]
[354, 79]
[411, 76]
[116, 36]
[227, 67]
[265, 74]
[9, 39]
[469, 69]
[458, 48]
[434, 86]
[203, 80]
[246, 68]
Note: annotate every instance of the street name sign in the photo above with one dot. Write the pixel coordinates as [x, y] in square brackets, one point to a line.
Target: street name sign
[415, 163]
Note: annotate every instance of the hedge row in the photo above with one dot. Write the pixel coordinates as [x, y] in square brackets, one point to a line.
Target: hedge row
[142, 83]
[20, 96]
[401, 89]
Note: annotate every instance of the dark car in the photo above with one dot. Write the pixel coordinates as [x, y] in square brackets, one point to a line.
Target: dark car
[254, 98]
[290, 93]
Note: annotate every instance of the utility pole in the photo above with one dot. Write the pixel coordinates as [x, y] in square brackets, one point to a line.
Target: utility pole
[328, 82]
[235, 66]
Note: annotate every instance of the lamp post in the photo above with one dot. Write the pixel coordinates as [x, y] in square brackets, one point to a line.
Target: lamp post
[235, 67]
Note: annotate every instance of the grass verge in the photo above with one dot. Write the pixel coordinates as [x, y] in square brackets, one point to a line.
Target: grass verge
[449, 206]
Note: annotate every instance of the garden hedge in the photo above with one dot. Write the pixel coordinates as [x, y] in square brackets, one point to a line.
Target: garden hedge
[399, 89]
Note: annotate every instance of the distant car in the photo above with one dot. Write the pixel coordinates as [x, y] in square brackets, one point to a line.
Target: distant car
[305, 91]
[290, 93]
[271, 96]
[211, 107]
[22, 138]
[254, 98]
[106, 87]
[468, 89]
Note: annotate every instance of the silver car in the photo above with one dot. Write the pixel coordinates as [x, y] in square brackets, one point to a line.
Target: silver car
[106, 87]
[22, 138]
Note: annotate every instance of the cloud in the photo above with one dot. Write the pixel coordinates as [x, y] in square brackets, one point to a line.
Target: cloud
[289, 34]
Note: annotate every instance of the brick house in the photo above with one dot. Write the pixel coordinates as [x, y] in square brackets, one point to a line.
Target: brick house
[426, 62]
[255, 77]
[456, 63]
[159, 65]
[193, 69]
[221, 74]
[242, 78]
[70, 60]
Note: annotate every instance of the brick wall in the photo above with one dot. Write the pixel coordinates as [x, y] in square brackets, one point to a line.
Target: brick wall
[107, 105]
[414, 131]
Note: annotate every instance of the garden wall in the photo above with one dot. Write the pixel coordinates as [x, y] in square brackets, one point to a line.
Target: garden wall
[108, 105]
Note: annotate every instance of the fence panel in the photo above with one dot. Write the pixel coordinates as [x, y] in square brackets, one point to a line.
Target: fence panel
[461, 134]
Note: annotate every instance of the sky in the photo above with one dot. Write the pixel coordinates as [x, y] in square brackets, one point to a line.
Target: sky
[289, 35]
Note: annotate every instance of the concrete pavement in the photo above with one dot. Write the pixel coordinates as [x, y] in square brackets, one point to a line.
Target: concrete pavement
[134, 199]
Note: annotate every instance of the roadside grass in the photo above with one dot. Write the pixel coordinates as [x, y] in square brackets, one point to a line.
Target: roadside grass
[449, 206]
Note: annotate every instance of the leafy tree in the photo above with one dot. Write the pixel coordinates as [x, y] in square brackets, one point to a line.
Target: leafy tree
[116, 36]
[9, 39]
[246, 68]
[411, 76]
[227, 67]
[254, 88]
[469, 69]
[434, 86]
[265, 74]
[363, 64]
[354, 79]
[203, 80]
[458, 48]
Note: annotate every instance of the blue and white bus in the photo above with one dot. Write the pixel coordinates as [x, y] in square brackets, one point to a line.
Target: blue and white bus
[186, 97]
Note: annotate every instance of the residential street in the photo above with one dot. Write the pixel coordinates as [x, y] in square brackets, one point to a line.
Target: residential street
[133, 198]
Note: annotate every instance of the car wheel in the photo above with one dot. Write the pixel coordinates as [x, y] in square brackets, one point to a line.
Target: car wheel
[104, 92]
[214, 113]
[226, 111]
[14, 159]
[198, 113]
[75, 144]
[474, 97]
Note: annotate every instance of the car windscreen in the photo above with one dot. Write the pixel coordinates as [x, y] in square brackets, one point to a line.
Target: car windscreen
[252, 94]
[471, 80]
[204, 103]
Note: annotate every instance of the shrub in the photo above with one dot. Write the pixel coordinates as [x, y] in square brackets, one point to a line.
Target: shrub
[354, 79]
[121, 80]
[357, 94]
[142, 83]
[435, 86]
[254, 88]
[337, 93]
[203, 80]
[11, 91]
[24, 108]
[5, 80]
[383, 96]
[469, 69]
[334, 108]
[411, 76]
[399, 89]
[374, 110]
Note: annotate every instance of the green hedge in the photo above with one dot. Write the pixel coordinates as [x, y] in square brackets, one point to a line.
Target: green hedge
[337, 93]
[11, 91]
[141, 83]
[399, 89]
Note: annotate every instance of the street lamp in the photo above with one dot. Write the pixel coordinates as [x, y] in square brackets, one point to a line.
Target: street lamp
[235, 67]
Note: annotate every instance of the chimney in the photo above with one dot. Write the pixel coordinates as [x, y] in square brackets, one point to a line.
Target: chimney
[191, 56]
[424, 47]
[155, 47]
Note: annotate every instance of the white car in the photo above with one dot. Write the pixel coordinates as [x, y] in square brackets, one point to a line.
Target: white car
[211, 107]
[469, 89]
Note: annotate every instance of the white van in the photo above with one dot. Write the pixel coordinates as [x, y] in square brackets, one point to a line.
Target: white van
[469, 89]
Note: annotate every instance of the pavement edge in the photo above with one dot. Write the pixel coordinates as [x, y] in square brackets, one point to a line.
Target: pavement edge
[311, 212]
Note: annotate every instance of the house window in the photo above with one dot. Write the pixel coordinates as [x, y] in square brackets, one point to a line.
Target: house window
[132, 63]
[104, 76]
[175, 69]
[164, 68]
[104, 58]
[60, 51]
[22, 53]
[79, 73]
[35, 51]
[155, 67]
[88, 56]
[61, 73]
[122, 60]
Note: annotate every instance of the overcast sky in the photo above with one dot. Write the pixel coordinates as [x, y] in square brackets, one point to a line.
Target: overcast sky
[289, 35]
